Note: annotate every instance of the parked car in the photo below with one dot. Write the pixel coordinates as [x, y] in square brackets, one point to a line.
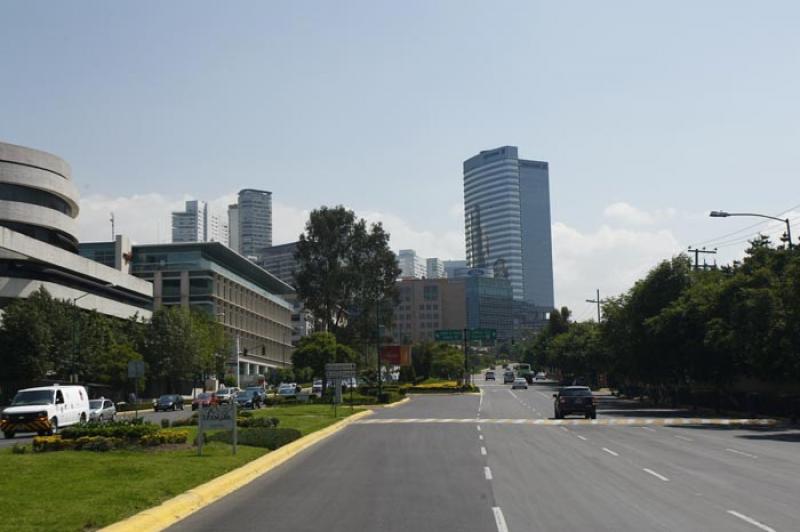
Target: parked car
[205, 399]
[226, 396]
[508, 377]
[575, 400]
[102, 410]
[44, 410]
[316, 387]
[248, 398]
[168, 402]
[519, 382]
[489, 376]
[288, 389]
[262, 393]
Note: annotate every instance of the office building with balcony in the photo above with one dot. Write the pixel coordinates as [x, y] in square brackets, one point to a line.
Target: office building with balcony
[38, 240]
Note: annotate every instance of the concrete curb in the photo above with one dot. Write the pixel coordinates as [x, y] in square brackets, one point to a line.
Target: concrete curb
[173, 510]
[398, 403]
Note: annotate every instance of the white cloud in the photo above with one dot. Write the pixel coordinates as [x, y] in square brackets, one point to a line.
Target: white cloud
[627, 214]
[607, 258]
[445, 245]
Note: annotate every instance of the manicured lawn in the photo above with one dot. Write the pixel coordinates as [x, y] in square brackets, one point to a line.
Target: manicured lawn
[84, 490]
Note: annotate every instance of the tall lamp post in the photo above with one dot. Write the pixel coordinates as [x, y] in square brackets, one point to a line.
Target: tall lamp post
[725, 214]
[222, 315]
[75, 336]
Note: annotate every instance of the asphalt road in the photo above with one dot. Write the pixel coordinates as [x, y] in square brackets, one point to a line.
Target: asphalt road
[480, 463]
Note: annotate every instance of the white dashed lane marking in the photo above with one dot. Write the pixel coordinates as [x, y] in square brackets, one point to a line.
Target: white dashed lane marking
[741, 453]
[483, 451]
[752, 521]
[657, 475]
[581, 437]
[499, 520]
[487, 473]
[609, 451]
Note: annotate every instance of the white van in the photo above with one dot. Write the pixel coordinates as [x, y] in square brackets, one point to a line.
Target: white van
[44, 410]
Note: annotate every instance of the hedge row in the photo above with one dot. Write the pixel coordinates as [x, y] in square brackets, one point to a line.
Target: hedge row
[115, 429]
[57, 442]
[268, 437]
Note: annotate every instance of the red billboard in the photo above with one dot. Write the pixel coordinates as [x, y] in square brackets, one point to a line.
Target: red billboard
[397, 355]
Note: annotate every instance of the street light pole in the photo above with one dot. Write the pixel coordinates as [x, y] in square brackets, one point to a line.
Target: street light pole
[725, 214]
[75, 336]
[598, 305]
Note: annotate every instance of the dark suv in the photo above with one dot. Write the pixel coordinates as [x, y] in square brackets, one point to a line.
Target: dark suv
[508, 377]
[575, 400]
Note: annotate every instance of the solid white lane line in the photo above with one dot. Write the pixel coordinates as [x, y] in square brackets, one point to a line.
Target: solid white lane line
[649, 429]
[581, 437]
[742, 453]
[499, 520]
[609, 451]
[487, 473]
[657, 475]
[752, 521]
[483, 451]
[684, 438]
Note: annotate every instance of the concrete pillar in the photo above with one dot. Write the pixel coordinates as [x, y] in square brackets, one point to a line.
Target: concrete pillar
[184, 289]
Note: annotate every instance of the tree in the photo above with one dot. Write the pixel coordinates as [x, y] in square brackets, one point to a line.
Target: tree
[318, 349]
[344, 271]
[447, 362]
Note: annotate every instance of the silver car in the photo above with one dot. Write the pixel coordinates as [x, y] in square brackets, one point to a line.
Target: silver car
[519, 382]
[102, 410]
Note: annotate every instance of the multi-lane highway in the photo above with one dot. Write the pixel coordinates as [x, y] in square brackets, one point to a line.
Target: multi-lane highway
[497, 461]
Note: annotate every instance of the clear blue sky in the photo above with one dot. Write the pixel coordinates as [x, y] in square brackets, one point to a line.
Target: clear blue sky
[673, 109]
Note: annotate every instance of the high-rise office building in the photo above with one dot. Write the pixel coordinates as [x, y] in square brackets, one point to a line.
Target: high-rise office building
[189, 225]
[435, 268]
[507, 222]
[198, 224]
[450, 267]
[255, 221]
[411, 264]
[233, 227]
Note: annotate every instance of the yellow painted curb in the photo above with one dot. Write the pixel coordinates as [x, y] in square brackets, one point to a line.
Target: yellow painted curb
[173, 510]
[398, 403]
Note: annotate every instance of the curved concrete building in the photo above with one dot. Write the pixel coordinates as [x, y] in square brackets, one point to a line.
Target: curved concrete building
[39, 240]
[37, 196]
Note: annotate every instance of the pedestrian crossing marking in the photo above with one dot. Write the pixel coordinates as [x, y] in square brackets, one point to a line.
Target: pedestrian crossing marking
[575, 422]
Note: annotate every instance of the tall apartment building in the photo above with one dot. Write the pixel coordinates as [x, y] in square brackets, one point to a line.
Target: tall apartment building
[434, 268]
[411, 265]
[198, 224]
[255, 221]
[507, 222]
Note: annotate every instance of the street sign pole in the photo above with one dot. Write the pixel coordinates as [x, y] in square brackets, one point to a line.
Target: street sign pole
[466, 358]
[235, 425]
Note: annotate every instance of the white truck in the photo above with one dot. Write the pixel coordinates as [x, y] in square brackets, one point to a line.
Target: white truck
[45, 409]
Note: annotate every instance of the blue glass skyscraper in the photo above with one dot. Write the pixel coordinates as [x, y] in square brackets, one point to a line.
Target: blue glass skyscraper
[507, 222]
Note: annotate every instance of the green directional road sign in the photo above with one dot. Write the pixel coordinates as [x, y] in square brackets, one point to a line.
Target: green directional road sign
[448, 335]
[483, 334]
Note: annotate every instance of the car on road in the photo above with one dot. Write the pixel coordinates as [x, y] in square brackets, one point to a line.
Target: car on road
[575, 400]
[102, 410]
[168, 402]
[490, 376]
[519, 382]
[248, 399]
[45, 409]
[226, 396]
[508, 377]
[288, 389]
[539, 377]
[204, 399]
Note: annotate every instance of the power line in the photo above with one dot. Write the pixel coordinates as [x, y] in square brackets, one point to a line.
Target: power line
[726, 235]
[697, 253]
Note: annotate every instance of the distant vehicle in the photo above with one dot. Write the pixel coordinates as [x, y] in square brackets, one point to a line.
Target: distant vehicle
[204, 399]
[490, 376]
[524, 370]
[248, 399]
[44, 410]
[168, 402]
[316, 387]
[508, 377]
[262, 394]
[226, 396]
[539, 377]
[288, 389]
[102, 410]
[575, 400]
[519, 382]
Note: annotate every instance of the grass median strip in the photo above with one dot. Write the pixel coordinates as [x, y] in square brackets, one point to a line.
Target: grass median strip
[85, 490]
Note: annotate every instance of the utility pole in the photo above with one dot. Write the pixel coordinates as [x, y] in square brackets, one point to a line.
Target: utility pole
[467, 379]
[378, 346]
[697, 253]
[596, 301]
[113, 233]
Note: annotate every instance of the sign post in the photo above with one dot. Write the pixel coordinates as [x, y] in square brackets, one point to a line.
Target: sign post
[216, 417]
[338, 372]
[136, 372]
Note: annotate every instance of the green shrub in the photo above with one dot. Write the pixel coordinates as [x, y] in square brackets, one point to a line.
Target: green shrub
[276, 400]
[186, 422]
[18, 448]
[115, 429]
[165, 423]
[268, 437]
[163, 437]
[244, 413]
[43, 444]
[97, 443]
[257, 422]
